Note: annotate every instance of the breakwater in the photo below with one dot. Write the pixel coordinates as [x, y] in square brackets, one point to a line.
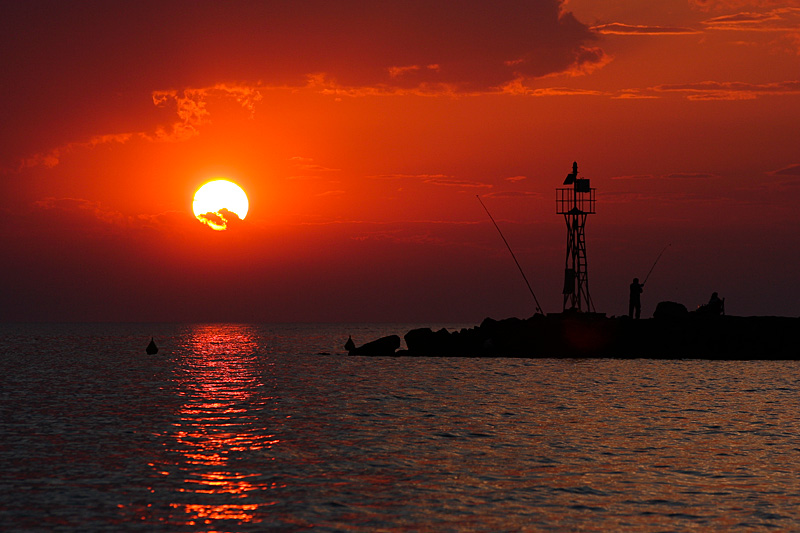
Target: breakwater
[593, 335]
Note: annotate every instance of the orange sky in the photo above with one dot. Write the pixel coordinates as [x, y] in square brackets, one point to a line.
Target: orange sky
[362, 133]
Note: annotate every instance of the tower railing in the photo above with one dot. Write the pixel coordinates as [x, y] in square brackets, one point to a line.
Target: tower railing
[570, 198]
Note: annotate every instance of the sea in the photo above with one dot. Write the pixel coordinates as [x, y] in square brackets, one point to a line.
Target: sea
[238, 427]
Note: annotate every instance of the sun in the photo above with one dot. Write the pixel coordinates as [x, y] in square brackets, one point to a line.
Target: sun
[220, 202]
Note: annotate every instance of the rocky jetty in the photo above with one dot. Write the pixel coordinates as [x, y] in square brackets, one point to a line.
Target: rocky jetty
[673, 333]
[381, 347]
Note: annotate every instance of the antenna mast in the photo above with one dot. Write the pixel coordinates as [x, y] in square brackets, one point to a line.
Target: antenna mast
[576, 203]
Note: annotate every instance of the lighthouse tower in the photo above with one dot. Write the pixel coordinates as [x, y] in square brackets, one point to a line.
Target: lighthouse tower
[576, 202]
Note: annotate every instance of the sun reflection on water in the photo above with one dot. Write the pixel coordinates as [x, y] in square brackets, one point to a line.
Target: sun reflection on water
[222, 431]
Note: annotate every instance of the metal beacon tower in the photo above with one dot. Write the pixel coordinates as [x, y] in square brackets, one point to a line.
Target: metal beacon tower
[576, 202]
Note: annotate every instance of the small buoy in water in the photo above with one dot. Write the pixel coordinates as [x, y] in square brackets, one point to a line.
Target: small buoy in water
[152, 349]
[349, 345]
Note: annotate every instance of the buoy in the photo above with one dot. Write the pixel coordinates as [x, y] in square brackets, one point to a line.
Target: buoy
[349, 345]
[152, 349]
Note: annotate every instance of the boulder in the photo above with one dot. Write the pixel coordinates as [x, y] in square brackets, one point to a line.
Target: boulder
[383, 346]
[428, 342]
[670, 311]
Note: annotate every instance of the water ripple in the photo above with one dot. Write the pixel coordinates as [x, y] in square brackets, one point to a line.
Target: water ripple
[235, 428]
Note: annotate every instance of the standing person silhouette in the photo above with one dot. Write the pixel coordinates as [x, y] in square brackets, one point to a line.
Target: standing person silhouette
[716, 305]
[635, 300]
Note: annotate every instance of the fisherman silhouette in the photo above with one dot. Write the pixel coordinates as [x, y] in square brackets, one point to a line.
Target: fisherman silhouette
[635, 300]
[714, 307]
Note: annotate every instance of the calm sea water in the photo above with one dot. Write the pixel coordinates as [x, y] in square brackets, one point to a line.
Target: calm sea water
[249, 428]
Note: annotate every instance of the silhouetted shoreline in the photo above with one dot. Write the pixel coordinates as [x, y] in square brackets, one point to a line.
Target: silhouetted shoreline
[593, 335]
[579, 332]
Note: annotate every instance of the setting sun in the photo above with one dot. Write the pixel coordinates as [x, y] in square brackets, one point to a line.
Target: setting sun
[361, 157]
[217, 202]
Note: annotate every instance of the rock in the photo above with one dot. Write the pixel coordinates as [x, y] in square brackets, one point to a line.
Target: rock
[670, 311]
[673, 334]
[418, 339]
[383, 346]
[428, 342]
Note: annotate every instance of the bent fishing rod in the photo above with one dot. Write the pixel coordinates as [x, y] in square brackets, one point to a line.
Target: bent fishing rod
[538, 307]
[655, 263]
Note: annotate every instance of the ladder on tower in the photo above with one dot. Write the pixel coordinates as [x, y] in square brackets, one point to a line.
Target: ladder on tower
[576, 203]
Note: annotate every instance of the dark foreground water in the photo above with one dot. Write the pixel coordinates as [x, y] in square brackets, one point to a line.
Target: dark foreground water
[248, 428]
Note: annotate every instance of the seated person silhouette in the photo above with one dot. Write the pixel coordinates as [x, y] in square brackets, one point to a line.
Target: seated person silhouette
[714, 307]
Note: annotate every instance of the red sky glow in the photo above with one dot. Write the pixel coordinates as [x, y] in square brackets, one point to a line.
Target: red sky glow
[362, 131]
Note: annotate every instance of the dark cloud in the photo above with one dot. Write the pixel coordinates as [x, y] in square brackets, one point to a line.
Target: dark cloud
[634, 177]
[674, 175]
[690, 175]
[58, 217]
[739, 18]
[177, 44]
[410, 176]
[74, 214]
[88, 67]
[308, 169]
[723, 5]
[782, 19]
[714, 90]
[791, 170]
[450, 182]
[617, 28]
[512, 194]
[435, 179]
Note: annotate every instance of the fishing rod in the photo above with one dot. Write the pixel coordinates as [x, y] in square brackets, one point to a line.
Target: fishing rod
[656, 262]
[538, 307]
